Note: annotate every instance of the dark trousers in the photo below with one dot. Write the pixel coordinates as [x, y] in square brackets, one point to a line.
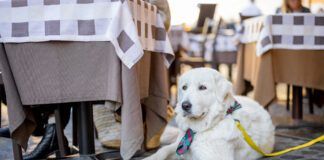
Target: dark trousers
[42, 114]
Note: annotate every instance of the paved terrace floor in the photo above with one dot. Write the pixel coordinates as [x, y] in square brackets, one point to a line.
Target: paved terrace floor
[287, 136]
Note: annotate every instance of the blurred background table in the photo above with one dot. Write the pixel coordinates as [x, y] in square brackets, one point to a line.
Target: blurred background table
[278, 64]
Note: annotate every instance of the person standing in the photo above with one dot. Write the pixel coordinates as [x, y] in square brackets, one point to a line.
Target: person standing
[292, 6]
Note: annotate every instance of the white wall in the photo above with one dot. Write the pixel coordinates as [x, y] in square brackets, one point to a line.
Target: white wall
[186, 11]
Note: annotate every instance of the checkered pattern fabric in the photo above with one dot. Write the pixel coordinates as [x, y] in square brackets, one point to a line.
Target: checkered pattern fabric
[132, 26]
[289, 31]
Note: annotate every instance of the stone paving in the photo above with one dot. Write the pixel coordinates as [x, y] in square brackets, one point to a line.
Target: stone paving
[286, 136]
[315, 152]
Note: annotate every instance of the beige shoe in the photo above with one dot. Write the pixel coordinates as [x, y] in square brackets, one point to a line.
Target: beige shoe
[107, 126]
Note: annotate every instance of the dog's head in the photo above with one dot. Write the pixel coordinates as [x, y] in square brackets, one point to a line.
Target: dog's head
[203, 94]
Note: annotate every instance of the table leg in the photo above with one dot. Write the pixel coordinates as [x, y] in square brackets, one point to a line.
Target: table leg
[288, 97]
[74, 126]
[17, 154]
[0, 105]
[60, 133]
[230, 70]
[85, 129]
[310, 100]
[297, 109]
[0, 113]
[96, 133]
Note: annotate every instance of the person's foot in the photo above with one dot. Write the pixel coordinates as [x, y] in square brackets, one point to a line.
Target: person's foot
[47, 146]
[5, 132]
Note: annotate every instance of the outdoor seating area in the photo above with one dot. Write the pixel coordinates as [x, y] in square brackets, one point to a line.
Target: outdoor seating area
[99, 79]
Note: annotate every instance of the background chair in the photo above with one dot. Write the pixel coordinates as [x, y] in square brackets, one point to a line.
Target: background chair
[205, 11]
[225, 49]
[200, 61]
[242, 17]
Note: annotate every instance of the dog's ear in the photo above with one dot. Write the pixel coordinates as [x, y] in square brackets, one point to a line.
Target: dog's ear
[224, 90]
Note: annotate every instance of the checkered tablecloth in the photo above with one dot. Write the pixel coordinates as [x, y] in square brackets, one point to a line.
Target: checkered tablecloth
[130, 25]
[289, 31]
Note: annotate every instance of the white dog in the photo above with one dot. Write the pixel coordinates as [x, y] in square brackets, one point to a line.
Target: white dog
[204, 98]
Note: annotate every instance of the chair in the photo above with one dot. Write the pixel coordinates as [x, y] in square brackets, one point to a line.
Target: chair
[205, 11]
[242, 17]
[228, 58]
[200, 61]
[225, 56]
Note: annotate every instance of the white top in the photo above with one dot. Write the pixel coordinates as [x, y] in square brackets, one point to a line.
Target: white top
[251, 10]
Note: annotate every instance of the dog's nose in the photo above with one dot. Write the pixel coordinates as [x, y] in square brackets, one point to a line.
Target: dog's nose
[186, 106]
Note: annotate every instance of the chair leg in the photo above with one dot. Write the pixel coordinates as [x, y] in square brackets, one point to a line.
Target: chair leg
[230, 72]
[288, 97]
[297, 109]
[85, 129]
[96, 133]
[0, 109]
[17, 154]
[0, 113]
[310, 100]
[74, 126]
[60, 133]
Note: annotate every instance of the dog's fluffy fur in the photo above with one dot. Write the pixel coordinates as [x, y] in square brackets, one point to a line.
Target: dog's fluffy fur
[217, 136]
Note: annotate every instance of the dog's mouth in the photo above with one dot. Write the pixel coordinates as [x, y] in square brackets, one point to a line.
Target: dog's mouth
[195, 117]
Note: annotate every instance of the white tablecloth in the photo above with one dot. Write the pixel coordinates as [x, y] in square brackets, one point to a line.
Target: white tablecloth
[132, 26]
[285, 31]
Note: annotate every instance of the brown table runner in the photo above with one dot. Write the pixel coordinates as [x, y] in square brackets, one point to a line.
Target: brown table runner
[61, 72]
[297, 67]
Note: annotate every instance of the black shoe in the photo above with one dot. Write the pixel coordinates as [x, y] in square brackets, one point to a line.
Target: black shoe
[4, 132]
[42, 122]
[47, 146]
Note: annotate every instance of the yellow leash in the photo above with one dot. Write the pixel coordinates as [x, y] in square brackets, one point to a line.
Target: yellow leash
[249, 140]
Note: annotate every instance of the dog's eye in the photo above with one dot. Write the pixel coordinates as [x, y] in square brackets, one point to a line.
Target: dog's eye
[202, 87]
[184, 87]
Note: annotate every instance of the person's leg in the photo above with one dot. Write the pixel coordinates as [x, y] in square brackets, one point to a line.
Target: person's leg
[49, 142]
[65, 114]
[4, 132]
[41, 117]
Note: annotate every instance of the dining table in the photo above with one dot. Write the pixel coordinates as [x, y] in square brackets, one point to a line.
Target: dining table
[284, 48]
[58, 52]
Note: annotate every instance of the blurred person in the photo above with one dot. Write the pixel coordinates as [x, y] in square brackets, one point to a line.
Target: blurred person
[49, 142]
[292, 6]
[251, 9]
